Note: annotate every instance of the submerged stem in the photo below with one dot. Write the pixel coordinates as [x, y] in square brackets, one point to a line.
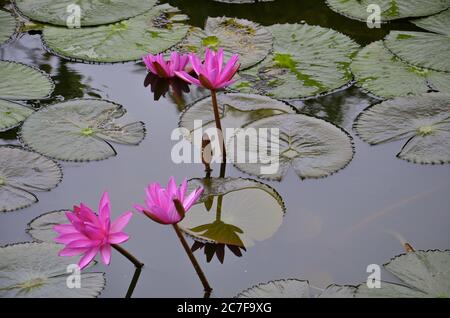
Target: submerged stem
[137, 264]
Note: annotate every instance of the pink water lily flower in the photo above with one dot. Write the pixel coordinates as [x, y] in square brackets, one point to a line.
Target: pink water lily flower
[157, 65]
[160, 206]
[212, 73]
[89, 234]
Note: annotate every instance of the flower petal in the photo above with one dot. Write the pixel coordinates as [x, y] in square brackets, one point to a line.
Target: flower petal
[105, 252]
[188, 78]
[88, 257]
[122, 221]
[118, 238]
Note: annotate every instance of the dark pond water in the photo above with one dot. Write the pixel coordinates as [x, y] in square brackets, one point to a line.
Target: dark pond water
[333, 227]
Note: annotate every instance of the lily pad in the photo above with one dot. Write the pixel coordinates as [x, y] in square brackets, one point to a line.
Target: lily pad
[384, 75]
[439, 23]
[236, 36]
[34, 270]
[12, 114]
[390, 9]
[313, 147]
[307, 61]
[294, 288]
[421, 49]
[23, 172]
[41, 228]
[424, 121]
[128, 40]
[225, 220]
[93, 12]
[235, 109]
[423, 274]
[80, 130]
[7, 26]
[24, 82]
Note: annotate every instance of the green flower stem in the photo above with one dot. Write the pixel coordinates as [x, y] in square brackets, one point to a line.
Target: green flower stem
[137, 273]
[218, 123]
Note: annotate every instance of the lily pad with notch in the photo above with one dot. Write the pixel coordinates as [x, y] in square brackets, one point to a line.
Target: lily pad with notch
[384, 75]
[244, 211]
[313, 147]
[80, 130]
[34, 270]
[12, 114]
[128, 40]
[424, 121]
[22, 173]
[41, 228]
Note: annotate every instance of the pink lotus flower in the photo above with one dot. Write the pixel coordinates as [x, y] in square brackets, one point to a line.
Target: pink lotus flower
[158, 66]
[89, 233]
[212, 74]
[160, 206]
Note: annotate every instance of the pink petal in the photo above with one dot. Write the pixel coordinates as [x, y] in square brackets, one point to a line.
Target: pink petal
[104, 209]
[122, 221]
[230, 69]
[72, 251]
[82, 243]
[105, 251]
[148, 60]
[188, 78]
[67, 238]
[118, 238]
[192, 198]
[172, 187]
[65, 229]
[139, 207]
[196, 63]
[88, 257]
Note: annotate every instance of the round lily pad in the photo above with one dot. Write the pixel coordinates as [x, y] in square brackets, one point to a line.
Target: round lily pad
[80, 130]
[313, 147]
[423, 274]
[22, 173]
[7, 26]
[220, 218]
[92, 12]
[306, 61]
[438, 23]
[235, 109]
[423, 121]
[12, 114]
[384, 75]
[236, 36]
[24, 82]
[390, 9]
[294, 288]
[34, 270]
[41, 228]
[128, 40]
[421, 49]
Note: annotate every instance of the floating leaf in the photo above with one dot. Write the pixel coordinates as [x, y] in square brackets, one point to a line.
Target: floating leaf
[390, 9]
[244, 211]
[439, 23]
[236, 36]
[313, 147]
[41, 228]
[379, 72]
[24, 82]
[307, 61]
[423, 274]
[128, 40]
[34, 270]
[12, 114]
[421, 49]
[92, 12]
[294, 288]
[424, 121]
[235, 109]
[7, 26]
[80, 130]
[21, 173]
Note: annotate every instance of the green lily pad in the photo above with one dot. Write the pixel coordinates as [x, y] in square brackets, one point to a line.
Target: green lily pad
[80, 130]
[307, 61]
[313, 147]
[153, 32]
[93, 12]
[24, 82]
[422, 49]
[235, 109]
[8, 26]
[12, 114]
[22, 173]
[439, 23]
[424, 121]
[294, 288]
[236, 36]
[390, 9]
[34, 270]
[226, 221]
[423, 274]
[382, 74]
[41, 228]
